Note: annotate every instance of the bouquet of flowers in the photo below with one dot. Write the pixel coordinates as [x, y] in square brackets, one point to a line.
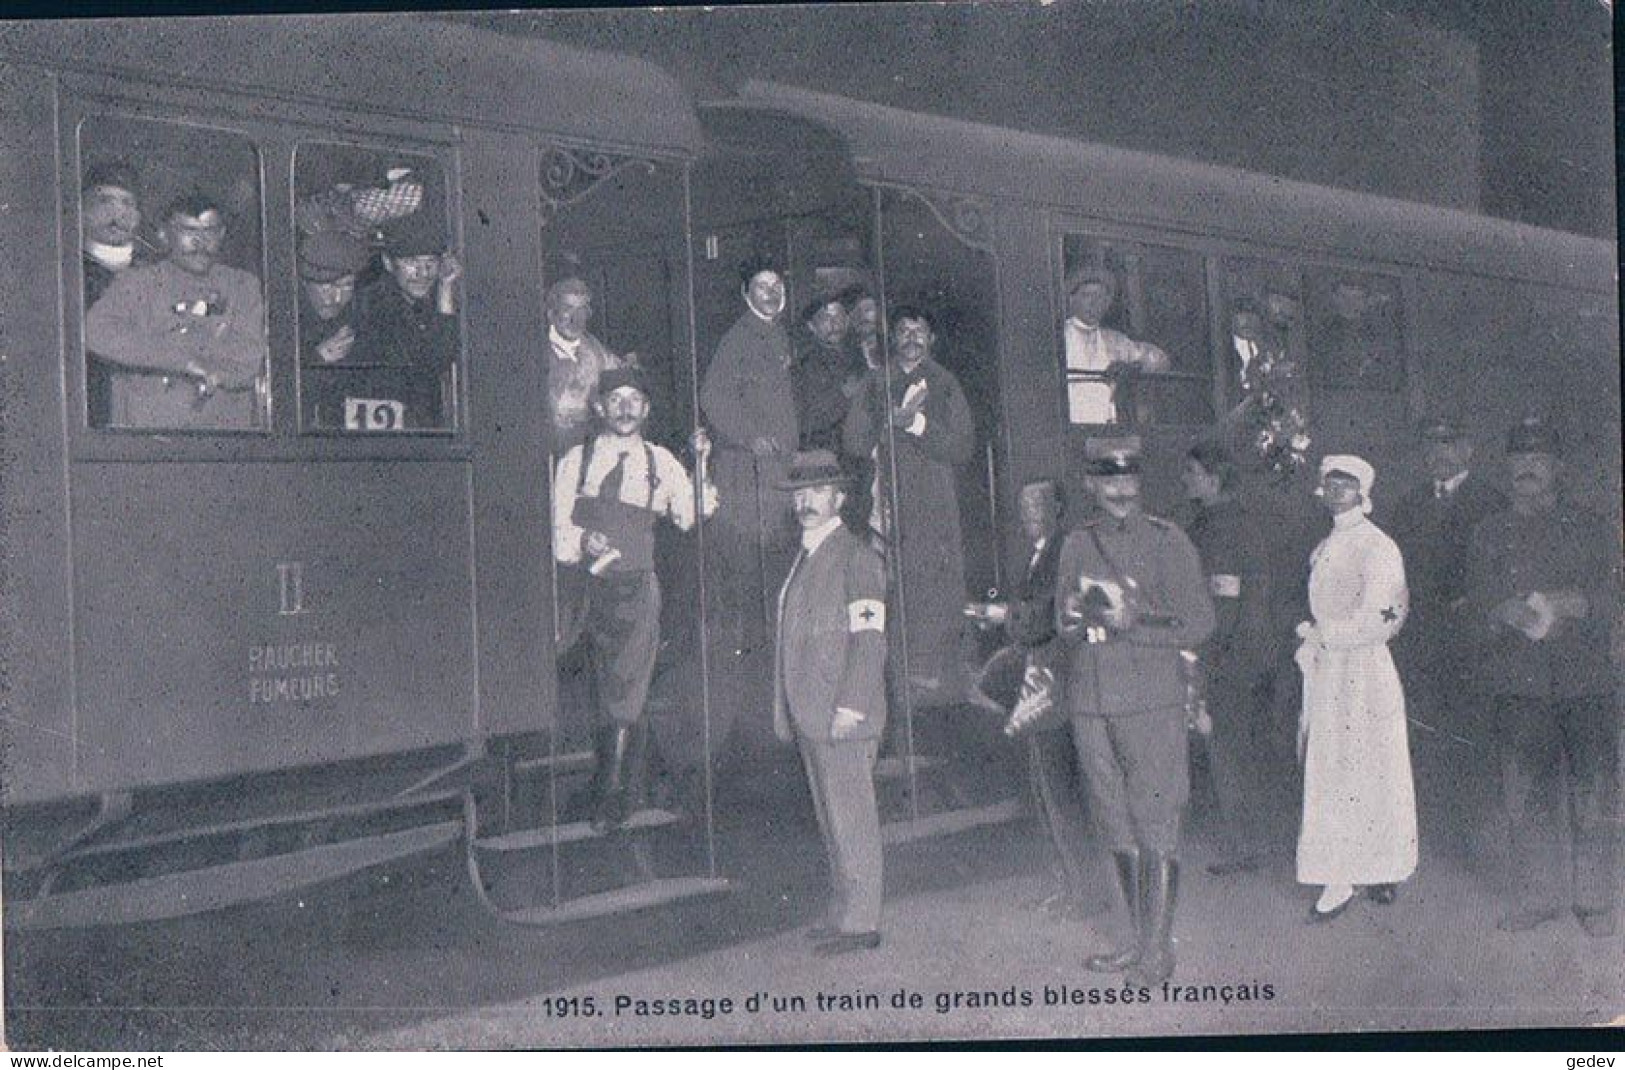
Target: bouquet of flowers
[1270, 419]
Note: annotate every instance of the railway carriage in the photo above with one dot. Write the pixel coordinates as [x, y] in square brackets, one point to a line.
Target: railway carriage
[253, 657]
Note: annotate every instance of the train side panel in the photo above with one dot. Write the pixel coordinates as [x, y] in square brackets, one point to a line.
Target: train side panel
[37, 728]
[243, 617]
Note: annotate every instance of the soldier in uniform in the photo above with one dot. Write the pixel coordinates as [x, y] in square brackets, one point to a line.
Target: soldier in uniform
[1130, 595]
[1543, 588]
[607, 494]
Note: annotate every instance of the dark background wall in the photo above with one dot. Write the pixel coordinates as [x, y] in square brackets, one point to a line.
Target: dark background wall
[1502, 106]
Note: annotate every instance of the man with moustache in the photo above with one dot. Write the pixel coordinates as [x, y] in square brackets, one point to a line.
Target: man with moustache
[1543, 589]
[913, 421]
[607, 494]
[749, 404]
[863, 313]
[1130, 596]
[110, 213]
[407, 330]
[829, 693]
[576, 359]
[187, 334]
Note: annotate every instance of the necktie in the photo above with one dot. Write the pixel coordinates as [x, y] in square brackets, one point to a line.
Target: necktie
[609, 488]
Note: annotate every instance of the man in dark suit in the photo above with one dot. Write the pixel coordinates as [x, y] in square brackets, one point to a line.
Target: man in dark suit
[1432, 526]
[829, 692]
[1020, 681]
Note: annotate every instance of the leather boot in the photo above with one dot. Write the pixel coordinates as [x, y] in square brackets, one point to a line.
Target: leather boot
[611, 809]
[1129, 880]
[1160, 877]
[635, 774]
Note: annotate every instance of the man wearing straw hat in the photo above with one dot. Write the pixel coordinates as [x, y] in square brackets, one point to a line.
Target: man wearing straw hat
[1359, 803]
[829, 692]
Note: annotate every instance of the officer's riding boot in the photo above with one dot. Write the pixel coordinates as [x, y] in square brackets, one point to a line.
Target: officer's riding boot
[1128, 879]
[1160, 874]
[611, 809]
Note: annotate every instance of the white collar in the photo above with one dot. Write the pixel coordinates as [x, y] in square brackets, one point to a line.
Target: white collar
[813, 538]
[611, 443]
[1078, 325]
[765, 319]
[112, 257]
[564, 346]
[1453, 484]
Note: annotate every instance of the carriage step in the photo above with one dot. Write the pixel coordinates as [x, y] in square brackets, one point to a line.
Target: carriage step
[893, 768]
[632, 897]
[949, 822]
[564, 763]
[574, 832]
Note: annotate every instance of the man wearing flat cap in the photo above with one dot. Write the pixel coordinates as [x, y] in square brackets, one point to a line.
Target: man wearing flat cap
[1130, 596]
[826, 373]
[829, 692]
[329, 262]
[406, 327]
[1359, 802]
[1543, 589]
[607, 494]
[1432, 525]
[1094, 353]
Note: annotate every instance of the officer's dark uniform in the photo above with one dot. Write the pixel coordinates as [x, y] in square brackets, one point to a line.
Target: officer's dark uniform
[1239, 661]
[1126, 692]
[1552, 702]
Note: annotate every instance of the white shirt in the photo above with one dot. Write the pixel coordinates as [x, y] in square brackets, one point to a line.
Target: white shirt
[673, 495]
[813, 538]
[1094, 349]
[1445, 487]
[564, 347]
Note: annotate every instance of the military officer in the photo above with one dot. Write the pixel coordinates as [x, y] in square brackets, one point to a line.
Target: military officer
[1130, 595]
[829, 692]
[1543, 588]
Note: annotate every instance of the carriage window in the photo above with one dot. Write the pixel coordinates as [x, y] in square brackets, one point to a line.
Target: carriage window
[1134, 341]
[1355, 338]
[174, 313]
[378, 329]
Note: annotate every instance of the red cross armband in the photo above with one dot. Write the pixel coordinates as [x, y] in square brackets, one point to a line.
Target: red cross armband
[866, 615]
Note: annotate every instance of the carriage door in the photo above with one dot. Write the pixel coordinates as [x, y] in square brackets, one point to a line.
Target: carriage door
[937, 508]
[618, 803]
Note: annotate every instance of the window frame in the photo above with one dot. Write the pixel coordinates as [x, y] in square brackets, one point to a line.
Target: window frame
[1214, 251]
[266, 124]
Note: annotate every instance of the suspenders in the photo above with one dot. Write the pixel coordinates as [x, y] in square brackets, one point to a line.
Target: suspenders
[649, 468]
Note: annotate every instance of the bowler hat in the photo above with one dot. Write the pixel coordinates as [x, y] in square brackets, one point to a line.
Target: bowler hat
[330, 255]
[1532, 435]
[814, 468]
[117, 174]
